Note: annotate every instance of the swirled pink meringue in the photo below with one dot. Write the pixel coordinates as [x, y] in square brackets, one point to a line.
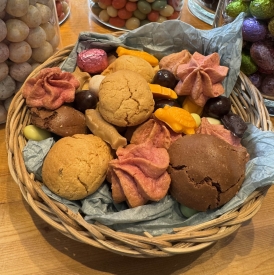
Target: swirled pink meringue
[172, 61]
[139, 175]
[201, 77]
[219, 131]
[50, 88]
[156, 132]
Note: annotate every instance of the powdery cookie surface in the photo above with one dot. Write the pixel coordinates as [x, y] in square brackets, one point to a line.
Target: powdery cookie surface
[132, 63]
[206, 172]
[76, 166]
[125, 99]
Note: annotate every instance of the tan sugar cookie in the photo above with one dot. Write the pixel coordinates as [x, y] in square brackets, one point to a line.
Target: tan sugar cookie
[125, 99]
[76, 166]
[132, 63]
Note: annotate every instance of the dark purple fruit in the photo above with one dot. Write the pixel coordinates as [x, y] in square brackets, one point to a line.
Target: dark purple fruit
[267, 87]
[256, 79]
[235, 124]
[165, 78]
[264, 71]
[254, 29]
[262, 53]
[162, 102]
[217, 107]
[85, 100]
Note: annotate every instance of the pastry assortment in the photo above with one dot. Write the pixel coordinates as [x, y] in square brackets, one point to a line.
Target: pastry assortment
[148, 127]
[28, 37]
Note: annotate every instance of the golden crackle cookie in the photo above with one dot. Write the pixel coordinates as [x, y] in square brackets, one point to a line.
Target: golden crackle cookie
[132, 63]
[76, 166]
[125, 99]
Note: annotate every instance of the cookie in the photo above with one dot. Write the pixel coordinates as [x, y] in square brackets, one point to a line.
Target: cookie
[64, 121]
[125, 99]
[132, 63]
[76, 166]
[206, 172]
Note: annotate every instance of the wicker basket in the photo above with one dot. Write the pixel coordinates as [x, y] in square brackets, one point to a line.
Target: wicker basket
[246, 101]
[268, 97]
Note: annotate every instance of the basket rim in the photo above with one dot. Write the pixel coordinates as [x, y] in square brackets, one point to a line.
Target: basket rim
[268, 97]
[184, 240]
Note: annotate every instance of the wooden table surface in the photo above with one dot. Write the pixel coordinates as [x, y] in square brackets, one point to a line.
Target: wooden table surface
[28, 245]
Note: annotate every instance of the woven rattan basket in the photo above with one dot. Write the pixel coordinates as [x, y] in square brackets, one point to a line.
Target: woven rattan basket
[246, 101]
[268, 97]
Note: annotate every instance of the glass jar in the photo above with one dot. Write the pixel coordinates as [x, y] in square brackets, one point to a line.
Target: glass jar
[29, 35]
[129, 15]
[221, 18]
[203, 9]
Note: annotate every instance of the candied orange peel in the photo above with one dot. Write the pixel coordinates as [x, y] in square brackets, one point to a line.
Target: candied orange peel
[148, 57]
[162, 92]
[178, 119]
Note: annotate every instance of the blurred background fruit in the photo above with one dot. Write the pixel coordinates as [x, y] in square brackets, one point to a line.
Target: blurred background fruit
[258, 41]
[63, 9]
[131, 14]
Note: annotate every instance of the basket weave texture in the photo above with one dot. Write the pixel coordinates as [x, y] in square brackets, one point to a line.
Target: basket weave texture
[246, 101]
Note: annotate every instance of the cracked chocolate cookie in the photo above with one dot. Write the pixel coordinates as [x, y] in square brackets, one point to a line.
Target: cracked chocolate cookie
[125, 99]
[76, 166]
[206, 172]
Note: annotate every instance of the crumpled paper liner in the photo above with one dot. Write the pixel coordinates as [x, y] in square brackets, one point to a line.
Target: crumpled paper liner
[161, 217]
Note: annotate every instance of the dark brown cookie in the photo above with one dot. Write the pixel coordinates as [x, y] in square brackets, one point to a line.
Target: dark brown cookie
[206, 172]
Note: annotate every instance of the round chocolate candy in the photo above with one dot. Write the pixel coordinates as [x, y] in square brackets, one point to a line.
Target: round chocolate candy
[144, 7]
[187, 212]
[217, 107]
[160, 103]
[132, 23]
[35, 133]
[159, 5]
[85, 100]
[165, 78]
[235, 124]
[92, 60]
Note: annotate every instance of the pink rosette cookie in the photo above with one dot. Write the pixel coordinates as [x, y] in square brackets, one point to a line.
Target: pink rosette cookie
[201, 78]
[50, 89]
